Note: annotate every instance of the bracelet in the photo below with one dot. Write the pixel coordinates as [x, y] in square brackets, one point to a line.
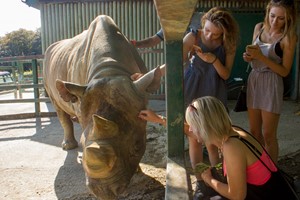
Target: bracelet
[214, 60]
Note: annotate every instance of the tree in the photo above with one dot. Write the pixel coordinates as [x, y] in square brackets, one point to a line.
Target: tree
[36, 47]
[20, 43]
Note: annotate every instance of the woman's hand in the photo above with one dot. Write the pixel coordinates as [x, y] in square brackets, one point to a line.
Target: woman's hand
[149, 115]
[207, 176]
[253, 52]
[136, 76]
[207, 57]
[246, 57]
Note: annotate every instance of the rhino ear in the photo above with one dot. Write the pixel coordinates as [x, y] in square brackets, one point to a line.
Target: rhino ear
[103, 128]
[150, 82]
[69, 91]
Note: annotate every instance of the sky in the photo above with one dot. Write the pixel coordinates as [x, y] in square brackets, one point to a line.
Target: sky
[14, 14]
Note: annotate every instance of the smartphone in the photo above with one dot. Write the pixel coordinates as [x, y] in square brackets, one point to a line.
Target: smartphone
[251, 46]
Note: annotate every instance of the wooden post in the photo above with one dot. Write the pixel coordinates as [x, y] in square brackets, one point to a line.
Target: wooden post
[175, 16]
[35, 89]
[175, 102]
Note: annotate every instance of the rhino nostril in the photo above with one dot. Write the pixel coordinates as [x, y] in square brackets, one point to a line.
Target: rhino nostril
[120, 189]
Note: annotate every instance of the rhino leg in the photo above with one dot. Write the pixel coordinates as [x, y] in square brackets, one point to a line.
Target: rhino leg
[69, 141]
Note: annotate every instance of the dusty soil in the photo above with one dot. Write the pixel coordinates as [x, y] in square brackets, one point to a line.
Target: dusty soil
[156, 148]
[33, 165]
[150, 183]
[156, 153]
[291, 165]
[26, 179]
[148, 188]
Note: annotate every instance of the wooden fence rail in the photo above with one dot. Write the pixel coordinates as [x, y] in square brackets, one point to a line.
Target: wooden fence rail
[17, 86]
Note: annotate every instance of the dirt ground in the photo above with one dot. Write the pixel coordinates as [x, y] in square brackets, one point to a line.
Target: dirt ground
[33, 165]
[156, 153]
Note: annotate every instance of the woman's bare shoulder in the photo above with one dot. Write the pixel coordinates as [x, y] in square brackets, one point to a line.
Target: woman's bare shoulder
[259, 25]
[290, 40]
[258, 28]
[189, 39]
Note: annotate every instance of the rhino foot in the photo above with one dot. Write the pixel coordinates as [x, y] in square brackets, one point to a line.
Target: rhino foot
[68, 145]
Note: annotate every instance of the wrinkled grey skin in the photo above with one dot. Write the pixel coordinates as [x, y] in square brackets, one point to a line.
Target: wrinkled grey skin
[88, 79]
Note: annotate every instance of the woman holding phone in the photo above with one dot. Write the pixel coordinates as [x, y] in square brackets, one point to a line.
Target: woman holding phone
[271, 57]
[208, 55]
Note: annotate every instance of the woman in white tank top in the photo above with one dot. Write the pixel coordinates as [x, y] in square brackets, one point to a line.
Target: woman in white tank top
[271, 58]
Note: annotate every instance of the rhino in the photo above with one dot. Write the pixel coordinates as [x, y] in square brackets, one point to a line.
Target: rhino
[87, 78]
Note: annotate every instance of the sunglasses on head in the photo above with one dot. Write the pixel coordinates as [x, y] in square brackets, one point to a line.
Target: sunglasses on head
[192, 107]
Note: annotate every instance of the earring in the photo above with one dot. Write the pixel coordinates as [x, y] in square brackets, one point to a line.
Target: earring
[220, 153]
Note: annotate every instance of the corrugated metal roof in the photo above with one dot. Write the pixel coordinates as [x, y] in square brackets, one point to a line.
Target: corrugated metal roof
[37, 3]
[32, 3]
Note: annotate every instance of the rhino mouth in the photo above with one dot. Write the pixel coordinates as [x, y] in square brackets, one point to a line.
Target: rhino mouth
[109, 188]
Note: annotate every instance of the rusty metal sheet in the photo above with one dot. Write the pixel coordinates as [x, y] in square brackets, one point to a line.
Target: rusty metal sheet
[175, 16]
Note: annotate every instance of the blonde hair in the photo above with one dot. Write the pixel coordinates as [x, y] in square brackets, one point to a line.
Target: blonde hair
[224, 20]
[209, 117]
[290, 16]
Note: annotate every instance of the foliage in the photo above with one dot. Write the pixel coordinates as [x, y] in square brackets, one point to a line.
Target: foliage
[21, 43]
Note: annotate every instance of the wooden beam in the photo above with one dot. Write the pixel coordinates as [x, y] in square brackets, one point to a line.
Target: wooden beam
[175, 16]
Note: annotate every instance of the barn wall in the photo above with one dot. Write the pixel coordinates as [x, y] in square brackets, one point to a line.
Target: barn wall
[136, 19]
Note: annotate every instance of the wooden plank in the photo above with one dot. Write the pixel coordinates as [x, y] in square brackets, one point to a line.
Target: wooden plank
[41, 99]
[27, 115]
[20, 86]
[21, 58]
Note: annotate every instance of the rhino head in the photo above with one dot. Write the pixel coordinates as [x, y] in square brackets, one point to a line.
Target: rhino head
[114, 138]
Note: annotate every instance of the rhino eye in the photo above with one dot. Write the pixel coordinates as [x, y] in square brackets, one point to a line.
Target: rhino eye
[136, 148]
[134, 151]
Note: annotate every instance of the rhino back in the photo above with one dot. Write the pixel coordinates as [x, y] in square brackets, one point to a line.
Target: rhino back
[102, 50]
[109, 47]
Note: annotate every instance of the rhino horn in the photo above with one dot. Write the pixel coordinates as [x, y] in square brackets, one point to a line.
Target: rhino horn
[69, 91]
[103, 128]
[149, 82]
[98, 160]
